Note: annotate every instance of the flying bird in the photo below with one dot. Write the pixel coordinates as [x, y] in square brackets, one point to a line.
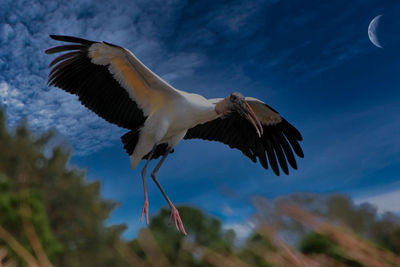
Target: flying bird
[112, 82]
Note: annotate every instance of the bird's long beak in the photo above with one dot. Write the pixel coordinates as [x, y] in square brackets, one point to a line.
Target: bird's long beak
[252, 118]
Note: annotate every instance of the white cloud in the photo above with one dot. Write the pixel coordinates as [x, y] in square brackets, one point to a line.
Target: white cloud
[384, 202]
[23, 64]
[227, 210]
[132, 24]
[9, 97]
[3, 89]
[242, 230]
[233, 17]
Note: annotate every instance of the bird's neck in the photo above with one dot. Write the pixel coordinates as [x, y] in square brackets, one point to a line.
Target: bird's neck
[221, 107]
[212, 111]
[203, 111]
[207, 113]
[198, 111]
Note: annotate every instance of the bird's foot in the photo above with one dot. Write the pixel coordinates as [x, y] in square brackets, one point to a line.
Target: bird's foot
[145, 211]
[178, 221]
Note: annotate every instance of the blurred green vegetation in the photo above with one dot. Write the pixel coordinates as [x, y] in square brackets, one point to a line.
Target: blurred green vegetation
[67, 212]
[382, 229]
[51, 215]
[320, 244]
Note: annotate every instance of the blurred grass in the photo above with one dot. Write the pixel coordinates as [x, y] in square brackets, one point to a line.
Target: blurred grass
[326, 244]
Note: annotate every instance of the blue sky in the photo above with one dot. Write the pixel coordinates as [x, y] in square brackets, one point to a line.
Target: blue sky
[310, 60]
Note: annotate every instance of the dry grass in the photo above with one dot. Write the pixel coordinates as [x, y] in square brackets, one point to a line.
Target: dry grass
[356, 249]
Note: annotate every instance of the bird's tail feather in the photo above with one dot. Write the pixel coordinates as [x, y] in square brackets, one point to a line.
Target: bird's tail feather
[130, 140]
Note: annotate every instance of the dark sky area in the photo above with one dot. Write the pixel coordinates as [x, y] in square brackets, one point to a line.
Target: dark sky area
[310, 60]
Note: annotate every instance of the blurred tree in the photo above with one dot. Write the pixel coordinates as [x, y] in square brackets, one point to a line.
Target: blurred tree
[358, 217]
[315, 243]
[67, 212]
[203, 230]
[78, 213]
[363, 219]
[256, 242]
[386, 232]
[11, 218]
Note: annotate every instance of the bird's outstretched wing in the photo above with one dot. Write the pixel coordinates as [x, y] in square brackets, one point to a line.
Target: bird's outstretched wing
[109, 80]
[277, 143]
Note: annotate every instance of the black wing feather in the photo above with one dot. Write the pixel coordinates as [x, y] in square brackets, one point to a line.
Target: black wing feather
[62, 48]
[97, 89]
[279, 153]
[71, 39]
[274, 148]
[288, 151]
[63, 57]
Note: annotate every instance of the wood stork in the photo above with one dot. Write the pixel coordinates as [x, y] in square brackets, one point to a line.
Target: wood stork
[113, 83]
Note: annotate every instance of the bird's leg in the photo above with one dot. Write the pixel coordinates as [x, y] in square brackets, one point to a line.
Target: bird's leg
[174, 211]
[145, 209]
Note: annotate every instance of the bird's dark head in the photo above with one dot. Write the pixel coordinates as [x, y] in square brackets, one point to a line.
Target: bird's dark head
[237, 102]
[236, 98]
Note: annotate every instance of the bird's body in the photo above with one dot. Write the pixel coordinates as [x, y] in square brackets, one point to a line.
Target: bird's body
[114, 84]
[169, 124]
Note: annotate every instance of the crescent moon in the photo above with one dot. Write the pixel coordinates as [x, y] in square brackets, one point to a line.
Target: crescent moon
[372, 31]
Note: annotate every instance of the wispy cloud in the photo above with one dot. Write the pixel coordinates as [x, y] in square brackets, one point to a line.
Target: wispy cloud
[10, 96]
[242, 230]
[171, 48]
[385, 201]
[24, 36]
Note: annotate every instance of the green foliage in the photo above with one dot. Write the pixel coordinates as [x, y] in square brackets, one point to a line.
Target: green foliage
[362, 219]
[202, 229]
[246, 253]
[10, 203]
[67, 212]
[315, 243]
